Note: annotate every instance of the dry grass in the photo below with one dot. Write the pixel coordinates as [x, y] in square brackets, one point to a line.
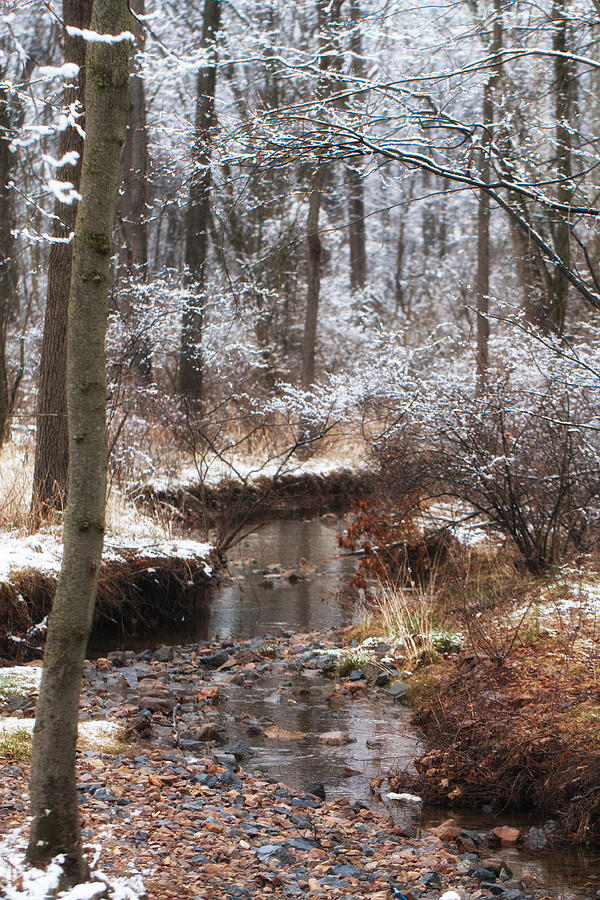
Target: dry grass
[413, 620]
[16, 478]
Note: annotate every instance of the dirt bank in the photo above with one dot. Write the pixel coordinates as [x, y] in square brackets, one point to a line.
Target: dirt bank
[520, 732]
[226, 505]
[137, 593]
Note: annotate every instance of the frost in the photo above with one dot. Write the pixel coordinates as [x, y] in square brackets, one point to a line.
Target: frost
[67, 70]
[95, 38]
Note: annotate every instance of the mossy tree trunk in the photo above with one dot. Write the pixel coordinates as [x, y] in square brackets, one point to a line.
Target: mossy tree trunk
[51, 447]
[55, 826]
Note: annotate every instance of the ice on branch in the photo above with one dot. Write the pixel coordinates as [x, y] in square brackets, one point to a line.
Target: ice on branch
[95, 38]
[67, 70]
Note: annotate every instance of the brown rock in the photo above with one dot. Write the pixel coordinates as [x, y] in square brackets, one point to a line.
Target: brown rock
[507, 834]
[448, 830]
[163, 702]
[281, 734]
[335, 738]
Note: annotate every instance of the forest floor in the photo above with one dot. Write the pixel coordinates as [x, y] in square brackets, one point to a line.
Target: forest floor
[180, 808]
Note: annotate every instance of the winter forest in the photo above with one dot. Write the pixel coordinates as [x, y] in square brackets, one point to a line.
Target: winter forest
[299, 449]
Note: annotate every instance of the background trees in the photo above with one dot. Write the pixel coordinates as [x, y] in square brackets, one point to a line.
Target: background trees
[300, 180]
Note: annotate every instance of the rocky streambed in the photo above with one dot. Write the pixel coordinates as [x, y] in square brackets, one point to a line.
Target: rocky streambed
[255, 768]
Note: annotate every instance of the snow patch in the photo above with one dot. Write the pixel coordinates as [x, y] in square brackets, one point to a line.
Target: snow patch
[19, 680]
[22, 882]
[96, 735]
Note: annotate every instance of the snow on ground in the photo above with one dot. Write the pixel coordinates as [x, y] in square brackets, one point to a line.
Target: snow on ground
[21, 882]
[211, 472]
[19, 680]
[94, 735]
[43, 551]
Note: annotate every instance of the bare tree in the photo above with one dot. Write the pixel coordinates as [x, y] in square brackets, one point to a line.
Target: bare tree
[51, 449]
[55, 826]
[198, 213]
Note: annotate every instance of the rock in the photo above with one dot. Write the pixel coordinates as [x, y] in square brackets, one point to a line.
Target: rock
[241, 750]
[317, 788]
[536, 839]
[447, 830]
[160, 703]
[506, 834]
[226, 759]
[214, 660]
[275, 733]
[482, 874]
[347, 871]
[356, 675]
[104, 794]
[431, 879]
[335, 738]
[382, 679]
[163, 654]
[397, 690]
[268, 852]
[209, 732]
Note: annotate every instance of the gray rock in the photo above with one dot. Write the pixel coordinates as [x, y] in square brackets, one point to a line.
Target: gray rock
[104, 794]
[305, 844]
[382, 679]
[317, 788]
[536, 839]
[513, 894]
[241, 750]
[347, 871]
[279, 852]
[163, 654]
[397, 690]
[356, 675]
[226, 759]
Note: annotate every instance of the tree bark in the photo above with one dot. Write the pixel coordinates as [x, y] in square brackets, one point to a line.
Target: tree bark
[55, 826]
[328, 13]
[132, 213]
[354, 175]
[314, 247]
[562, 231]
[7, 273]
[51, 449]
[483, 215]
[198, 213]
[132, 207]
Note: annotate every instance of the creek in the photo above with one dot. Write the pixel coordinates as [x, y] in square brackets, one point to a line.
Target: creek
[257, 600]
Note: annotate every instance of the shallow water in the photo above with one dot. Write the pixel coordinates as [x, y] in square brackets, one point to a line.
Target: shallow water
[256, 602]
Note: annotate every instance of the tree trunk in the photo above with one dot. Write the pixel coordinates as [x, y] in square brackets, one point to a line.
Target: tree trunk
[483, 216]
[198, 213]
[7, 270]
[354, 175]
[328, 14]
[483, 243]
[132, 209]
[51, 449]
[55, 826]
[562, 231]
[132, 212]
[314, 247]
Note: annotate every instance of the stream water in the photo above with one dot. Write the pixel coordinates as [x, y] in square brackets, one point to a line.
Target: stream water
[256, 601]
